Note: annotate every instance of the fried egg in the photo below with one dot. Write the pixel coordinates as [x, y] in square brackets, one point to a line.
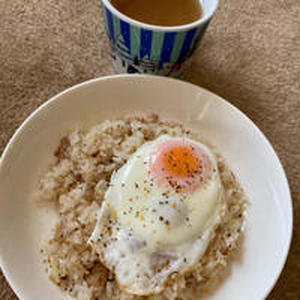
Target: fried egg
[159, 213]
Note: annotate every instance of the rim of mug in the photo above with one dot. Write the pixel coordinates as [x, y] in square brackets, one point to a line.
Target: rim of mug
[184, 27]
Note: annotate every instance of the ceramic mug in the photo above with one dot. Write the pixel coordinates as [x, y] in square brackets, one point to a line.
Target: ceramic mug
[137, 47]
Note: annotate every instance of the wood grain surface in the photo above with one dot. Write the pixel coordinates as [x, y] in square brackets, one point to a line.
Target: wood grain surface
[250, 56]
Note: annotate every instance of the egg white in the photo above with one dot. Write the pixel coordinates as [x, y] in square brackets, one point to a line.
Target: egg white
[145, 230]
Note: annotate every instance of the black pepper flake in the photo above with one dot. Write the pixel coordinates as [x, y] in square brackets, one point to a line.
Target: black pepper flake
[136, 185]
[110, 279]
[95, 153]
[161, 218]
[185, 260]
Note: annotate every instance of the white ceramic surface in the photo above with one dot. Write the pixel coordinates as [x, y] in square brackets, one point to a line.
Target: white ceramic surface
[247, 151]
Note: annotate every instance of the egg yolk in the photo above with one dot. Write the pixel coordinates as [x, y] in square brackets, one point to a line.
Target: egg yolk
[180, 164]
[181, 161]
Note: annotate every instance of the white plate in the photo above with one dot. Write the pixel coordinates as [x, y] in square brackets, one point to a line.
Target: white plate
[247, 151]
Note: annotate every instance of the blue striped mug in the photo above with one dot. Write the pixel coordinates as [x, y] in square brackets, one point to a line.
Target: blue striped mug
[137, 47]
